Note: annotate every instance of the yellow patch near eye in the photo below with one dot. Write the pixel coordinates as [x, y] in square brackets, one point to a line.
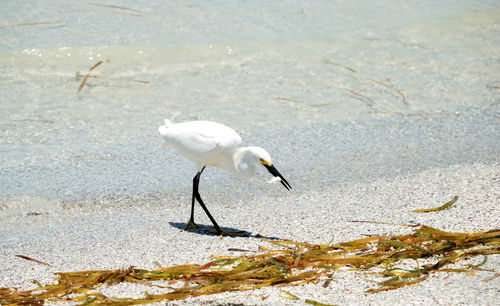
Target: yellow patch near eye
[265, 163]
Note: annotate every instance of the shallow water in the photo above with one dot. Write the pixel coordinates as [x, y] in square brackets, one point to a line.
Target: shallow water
[335, 91]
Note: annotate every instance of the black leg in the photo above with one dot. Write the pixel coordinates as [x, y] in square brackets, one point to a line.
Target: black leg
[196, 194]
[196, 183]
[217, 228]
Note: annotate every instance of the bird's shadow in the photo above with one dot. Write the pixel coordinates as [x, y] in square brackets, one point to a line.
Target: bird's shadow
[206, 230]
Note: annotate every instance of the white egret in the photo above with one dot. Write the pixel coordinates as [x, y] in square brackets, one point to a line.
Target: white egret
[213, 144]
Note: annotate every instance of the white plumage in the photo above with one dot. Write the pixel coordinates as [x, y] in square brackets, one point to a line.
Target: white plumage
[208, 143]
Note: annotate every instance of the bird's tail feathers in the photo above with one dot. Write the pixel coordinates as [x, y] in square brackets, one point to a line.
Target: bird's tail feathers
[168, 123]
[163, 130]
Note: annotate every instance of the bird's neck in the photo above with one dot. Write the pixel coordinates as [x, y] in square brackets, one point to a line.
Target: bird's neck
[244, 162]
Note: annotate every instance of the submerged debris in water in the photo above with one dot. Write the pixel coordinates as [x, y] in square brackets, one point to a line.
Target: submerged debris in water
[339, 65]
[124, 8]
[87, 75]
[357, 94]
[78, 74]
[301, 102]
[493, 86]
[389, 85]
[386, 83]
[292, 263]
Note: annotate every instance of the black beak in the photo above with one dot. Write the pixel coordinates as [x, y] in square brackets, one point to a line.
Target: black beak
[275, 173]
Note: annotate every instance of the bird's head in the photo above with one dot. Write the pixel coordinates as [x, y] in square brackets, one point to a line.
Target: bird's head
[265, 160]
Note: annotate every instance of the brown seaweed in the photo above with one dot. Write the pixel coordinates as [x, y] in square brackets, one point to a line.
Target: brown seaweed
[442, 207]
[32, 259]
[288, 263]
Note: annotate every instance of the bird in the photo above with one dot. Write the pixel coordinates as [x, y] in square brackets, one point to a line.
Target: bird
[213, 144]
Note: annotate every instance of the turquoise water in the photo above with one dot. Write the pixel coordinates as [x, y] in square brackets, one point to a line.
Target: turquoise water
[336, 91]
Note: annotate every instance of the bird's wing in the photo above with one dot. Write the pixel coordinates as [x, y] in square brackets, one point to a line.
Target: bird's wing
[217, 130]
[201, 141]
[213, 132]
[217, 138]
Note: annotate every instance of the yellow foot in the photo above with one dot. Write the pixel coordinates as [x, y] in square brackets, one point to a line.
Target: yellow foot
[191, 224]
[233, 234]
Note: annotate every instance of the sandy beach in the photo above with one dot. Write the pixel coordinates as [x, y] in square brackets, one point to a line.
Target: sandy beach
[139, 231]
